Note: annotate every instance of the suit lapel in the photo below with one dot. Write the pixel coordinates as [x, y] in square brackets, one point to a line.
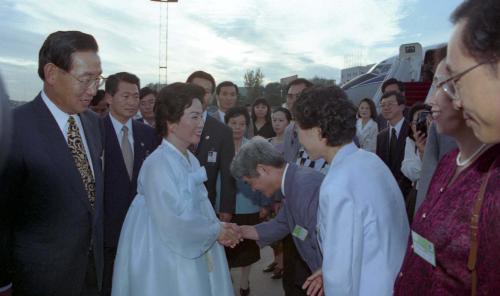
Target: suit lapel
[139, 149]
[57, 149]
[205, 134]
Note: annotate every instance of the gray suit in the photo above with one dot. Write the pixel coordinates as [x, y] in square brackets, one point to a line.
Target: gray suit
[300, 208]
[436, 147]
[291, 143]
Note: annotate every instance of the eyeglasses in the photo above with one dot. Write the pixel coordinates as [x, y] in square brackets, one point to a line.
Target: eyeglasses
[94, 82]
[449, 85]
[388, 104]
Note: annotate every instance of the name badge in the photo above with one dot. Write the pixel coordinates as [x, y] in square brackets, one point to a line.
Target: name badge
[212, 157]
[299, 232]
[423, 248]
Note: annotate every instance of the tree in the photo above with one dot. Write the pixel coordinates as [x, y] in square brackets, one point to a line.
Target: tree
[323, 81]
[253, 83]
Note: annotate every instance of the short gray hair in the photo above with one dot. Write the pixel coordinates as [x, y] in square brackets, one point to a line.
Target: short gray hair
[256, 151]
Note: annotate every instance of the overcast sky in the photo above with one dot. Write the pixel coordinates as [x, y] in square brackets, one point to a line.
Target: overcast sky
[223, 37]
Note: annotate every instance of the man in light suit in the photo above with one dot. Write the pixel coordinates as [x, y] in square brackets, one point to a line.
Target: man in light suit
[261, 166]
[51, 197]
[215, 151]
[391, 141]
[128, 143]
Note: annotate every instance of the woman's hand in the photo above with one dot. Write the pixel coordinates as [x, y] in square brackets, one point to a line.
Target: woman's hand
[420, 140]
[229, 235]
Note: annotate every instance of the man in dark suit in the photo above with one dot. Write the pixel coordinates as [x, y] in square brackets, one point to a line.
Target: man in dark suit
[51, 205]
[391, 141]
[215, 152]
[128, 143]
[261, 166]
[147, 98]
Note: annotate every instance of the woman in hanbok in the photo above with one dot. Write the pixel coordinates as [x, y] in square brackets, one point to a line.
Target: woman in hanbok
[169, 243]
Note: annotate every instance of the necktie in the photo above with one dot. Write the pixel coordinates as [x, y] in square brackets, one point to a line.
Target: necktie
[393, 145]
[128, 155]
[75, 144]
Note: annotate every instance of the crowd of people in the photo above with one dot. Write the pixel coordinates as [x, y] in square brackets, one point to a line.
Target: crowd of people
[94, 201]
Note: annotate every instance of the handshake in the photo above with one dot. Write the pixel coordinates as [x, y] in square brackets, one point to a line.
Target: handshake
[231, 234]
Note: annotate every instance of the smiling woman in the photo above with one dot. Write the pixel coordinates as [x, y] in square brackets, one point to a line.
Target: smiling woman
[171, 228]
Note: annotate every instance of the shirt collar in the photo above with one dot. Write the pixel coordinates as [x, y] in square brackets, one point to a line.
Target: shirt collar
[283, 180]
[60, 116]
[118, 125]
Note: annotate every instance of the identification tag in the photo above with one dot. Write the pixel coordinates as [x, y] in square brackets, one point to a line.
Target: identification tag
[423, 248]
[299, 232]
[212, 157]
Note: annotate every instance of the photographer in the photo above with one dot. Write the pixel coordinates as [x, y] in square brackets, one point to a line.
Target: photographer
[414, 151]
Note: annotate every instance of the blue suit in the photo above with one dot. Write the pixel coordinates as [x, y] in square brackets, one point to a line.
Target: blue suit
[46, 222]
[119, 189]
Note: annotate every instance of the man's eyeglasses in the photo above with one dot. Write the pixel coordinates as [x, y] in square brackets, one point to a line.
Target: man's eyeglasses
[388, 104]
[449, 85]
[94, 82]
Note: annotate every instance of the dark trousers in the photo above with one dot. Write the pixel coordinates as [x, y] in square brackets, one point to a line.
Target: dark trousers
[90, 287]
[295, 270]
[107, 278]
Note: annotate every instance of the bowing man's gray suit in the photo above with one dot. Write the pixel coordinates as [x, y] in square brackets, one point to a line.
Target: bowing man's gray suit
[300, 206]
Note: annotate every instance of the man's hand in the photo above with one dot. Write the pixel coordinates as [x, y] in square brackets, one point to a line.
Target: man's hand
[225, 217]
[277, 207]
[249, 232]
[314, 284]
[230, 234]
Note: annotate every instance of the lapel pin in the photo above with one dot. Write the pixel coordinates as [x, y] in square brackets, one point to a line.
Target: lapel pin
[207, 137]
[142, 144]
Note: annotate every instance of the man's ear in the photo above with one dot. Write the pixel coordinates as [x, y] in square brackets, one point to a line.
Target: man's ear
[50, 72]
[262, 170]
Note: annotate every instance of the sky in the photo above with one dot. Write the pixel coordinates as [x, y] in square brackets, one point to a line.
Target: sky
[223, 37]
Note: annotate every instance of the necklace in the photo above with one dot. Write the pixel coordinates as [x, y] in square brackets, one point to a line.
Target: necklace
[468, 160]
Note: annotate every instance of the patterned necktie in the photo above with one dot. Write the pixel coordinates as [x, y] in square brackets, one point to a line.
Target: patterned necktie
[128, 155]
[75, 144]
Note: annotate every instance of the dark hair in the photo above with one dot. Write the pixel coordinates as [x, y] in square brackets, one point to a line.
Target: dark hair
[262, 101]
[329, 109]
[145, 91]
[287, 112]
[390, 81]
[202, 75]
[418, 106]
[172, 100]
[59, 47]
[226, 84]
[113, 80]
[481, 34]
[399, 97]
[373, 108]
[99, 96]
[299, 81]
[235, 112]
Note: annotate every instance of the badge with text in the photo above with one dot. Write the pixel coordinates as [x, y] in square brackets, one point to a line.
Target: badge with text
[212, 157]
[423, 248]
[299, 232]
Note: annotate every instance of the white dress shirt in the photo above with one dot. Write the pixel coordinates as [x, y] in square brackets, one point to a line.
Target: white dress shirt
[398, 127]
[119, 132]
[62, 121]
[367, 134]
[362, 225]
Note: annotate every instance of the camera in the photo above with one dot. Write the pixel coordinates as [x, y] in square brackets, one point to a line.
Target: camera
[421, 124]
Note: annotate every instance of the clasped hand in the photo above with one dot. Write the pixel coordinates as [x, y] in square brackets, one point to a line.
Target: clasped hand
[230, 234]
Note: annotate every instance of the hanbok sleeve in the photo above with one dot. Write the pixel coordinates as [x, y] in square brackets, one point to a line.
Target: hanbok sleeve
[342, 246]
[178, 213]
